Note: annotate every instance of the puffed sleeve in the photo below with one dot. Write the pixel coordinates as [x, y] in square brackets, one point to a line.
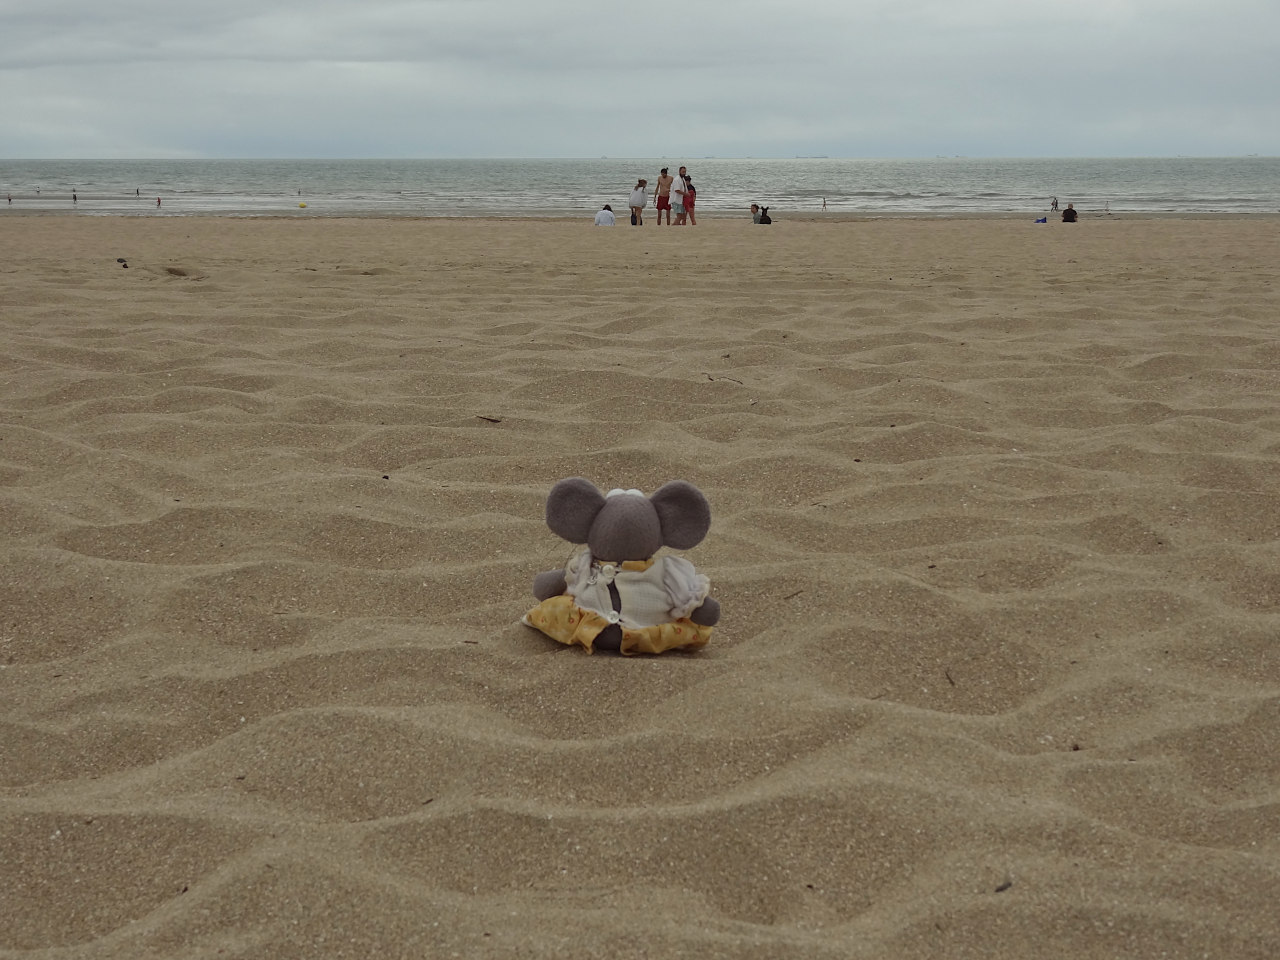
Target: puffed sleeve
[686, 587]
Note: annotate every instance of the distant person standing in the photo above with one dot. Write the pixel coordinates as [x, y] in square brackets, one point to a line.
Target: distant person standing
[662, 195]
[1069, 214]
[74, 198]
[157, 201]
[690, 197]
[1054, 205]
[677, 196]
[639, 199]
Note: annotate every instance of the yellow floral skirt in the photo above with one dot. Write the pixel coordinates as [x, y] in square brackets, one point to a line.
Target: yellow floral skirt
[563, 620]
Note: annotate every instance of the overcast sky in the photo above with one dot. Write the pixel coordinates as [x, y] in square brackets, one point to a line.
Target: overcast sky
[589, 78]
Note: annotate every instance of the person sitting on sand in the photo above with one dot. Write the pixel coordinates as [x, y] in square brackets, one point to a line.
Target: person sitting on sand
[605, 217]
[1069, 214]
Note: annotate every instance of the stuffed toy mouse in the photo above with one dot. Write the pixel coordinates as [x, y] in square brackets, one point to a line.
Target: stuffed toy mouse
[613, 594]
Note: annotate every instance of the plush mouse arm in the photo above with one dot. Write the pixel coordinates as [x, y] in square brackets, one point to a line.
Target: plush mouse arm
[707, 615]
[549, 584]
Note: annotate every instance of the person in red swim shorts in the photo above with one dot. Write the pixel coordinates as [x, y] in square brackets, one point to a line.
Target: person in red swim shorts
[662, 195]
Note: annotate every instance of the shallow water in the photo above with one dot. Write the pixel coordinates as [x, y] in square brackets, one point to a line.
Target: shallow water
[534, 188]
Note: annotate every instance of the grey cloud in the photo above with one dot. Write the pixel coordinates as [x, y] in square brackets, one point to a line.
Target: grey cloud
[571, 77]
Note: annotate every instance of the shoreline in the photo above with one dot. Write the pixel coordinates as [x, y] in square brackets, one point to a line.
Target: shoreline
[318, 213]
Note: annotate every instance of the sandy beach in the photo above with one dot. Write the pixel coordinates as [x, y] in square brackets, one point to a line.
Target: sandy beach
[996, 511]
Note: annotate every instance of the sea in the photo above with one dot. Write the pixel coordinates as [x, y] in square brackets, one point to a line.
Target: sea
[939, 186]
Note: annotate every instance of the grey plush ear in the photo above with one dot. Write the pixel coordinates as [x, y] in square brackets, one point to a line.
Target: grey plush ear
[572, 505]
[684, 513]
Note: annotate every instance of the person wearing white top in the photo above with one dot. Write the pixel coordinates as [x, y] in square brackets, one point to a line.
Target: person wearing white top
[677, 197]
[639, 200]
[605, 217]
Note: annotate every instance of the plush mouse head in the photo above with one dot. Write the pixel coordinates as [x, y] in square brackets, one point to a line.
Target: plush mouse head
[625, 524]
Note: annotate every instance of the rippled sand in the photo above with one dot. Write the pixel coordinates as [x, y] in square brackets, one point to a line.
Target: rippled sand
[995, 521]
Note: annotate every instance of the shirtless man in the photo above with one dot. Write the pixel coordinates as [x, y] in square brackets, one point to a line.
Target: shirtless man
[662, 195]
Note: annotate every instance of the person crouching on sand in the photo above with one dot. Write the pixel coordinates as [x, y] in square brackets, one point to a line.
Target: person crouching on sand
[639, 199]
